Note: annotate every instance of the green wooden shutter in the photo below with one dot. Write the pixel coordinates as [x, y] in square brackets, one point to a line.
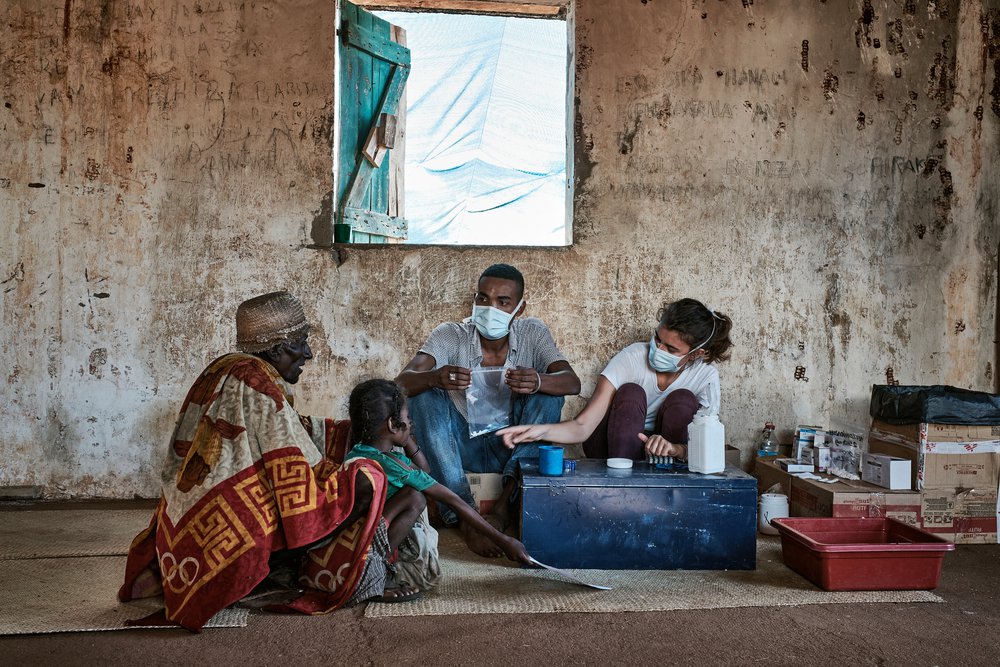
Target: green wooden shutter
[372, 75]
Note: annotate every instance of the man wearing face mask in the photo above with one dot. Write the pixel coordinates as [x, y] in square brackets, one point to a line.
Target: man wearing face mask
[437, 378]
[650, 391]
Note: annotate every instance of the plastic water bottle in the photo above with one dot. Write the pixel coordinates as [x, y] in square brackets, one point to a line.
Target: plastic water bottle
[706, 444]
[767, 444]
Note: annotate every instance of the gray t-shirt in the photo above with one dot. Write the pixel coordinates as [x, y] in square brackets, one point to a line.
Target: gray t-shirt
[530, 345]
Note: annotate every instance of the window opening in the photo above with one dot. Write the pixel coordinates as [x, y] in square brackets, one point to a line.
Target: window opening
[485, 153]
[451, 129]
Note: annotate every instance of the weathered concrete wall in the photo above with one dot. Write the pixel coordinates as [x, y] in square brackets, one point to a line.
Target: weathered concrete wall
[823, 172]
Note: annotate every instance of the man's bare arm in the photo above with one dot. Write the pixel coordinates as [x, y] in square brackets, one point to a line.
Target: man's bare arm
[559, 379]
[420, 375]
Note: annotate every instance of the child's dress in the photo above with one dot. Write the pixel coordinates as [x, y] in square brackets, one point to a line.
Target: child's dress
[417, 562]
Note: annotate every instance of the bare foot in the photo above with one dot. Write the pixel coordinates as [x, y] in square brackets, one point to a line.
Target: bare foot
[480, 544]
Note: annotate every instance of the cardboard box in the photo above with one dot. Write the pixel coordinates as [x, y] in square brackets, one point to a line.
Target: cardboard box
[939, 433]
[958, 479]
[966, 471]
[891, 472]
[963, 516]
[486, 488]
[977, 467]
[852, 499]
[769, 474]
[878, 446]
[916, 441]
[923, 443]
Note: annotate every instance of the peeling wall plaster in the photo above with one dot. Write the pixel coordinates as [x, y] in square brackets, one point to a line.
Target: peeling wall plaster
[822, 172]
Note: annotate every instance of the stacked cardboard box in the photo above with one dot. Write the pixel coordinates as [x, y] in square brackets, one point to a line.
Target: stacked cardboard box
[853, 499]
[957, 470]
[844, 498]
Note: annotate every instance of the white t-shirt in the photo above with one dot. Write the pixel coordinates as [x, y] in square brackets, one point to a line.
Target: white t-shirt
[632, 365]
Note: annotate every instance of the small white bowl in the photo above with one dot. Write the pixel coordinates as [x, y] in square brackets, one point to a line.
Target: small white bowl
[619, 463]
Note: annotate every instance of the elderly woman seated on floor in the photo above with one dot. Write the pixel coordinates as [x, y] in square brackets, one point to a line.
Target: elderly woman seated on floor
[250, 485]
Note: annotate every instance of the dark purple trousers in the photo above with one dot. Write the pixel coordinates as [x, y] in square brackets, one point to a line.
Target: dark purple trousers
[617, 436]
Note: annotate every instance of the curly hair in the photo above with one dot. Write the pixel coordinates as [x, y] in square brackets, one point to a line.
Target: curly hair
[372, 403]
[697, 325]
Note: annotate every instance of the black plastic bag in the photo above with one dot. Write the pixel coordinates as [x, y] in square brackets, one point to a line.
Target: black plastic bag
[935, 404]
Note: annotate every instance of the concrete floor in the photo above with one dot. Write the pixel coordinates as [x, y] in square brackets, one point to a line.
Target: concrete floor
[964, 630]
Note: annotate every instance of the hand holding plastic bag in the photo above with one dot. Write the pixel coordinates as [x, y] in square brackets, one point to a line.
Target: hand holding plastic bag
[489, 401]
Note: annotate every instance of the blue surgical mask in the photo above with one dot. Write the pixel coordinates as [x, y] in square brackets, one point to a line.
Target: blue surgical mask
[662, 361]
[493, 323]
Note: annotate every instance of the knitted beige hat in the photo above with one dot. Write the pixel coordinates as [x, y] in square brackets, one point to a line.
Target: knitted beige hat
[264, 321]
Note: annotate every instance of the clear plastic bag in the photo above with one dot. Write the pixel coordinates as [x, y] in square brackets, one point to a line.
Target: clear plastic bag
[489, 401]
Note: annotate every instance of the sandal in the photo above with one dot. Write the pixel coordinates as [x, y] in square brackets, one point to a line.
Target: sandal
[402, 593]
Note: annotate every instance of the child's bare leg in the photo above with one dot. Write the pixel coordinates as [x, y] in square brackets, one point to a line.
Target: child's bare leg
[401, 511]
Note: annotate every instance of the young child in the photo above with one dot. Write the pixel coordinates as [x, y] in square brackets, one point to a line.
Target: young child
[380, 424]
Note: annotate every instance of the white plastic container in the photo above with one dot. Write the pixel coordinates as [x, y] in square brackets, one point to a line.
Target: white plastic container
[772, 506]
[706, 444]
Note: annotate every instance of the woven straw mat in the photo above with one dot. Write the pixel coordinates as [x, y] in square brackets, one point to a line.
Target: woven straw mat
[43, 595]
[474, 585]
[54, 533]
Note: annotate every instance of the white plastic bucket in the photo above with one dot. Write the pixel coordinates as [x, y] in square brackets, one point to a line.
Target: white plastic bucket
[772, 506]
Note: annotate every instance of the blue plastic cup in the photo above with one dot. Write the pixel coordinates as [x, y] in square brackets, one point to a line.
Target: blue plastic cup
[550, 460]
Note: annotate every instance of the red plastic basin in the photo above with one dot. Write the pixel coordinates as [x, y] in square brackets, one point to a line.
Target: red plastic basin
[840, 554]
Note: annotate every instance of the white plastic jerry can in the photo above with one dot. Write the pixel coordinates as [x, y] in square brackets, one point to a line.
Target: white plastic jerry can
[706, 444]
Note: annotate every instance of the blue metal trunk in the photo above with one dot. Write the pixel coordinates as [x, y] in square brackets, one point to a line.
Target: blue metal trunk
[639, 519]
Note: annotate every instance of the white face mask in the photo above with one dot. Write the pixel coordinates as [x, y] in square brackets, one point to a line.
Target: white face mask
[493, 323]
[662, 361]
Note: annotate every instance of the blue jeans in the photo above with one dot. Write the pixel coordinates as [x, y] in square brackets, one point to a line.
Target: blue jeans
[443, 435]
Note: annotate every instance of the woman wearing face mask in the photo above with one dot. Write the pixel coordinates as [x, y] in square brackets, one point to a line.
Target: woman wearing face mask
[649, 392]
